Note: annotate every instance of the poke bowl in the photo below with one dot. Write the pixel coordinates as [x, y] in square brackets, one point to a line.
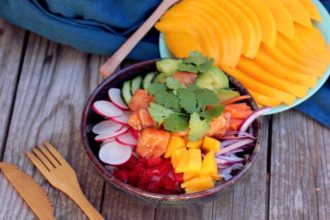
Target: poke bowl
[159, 164]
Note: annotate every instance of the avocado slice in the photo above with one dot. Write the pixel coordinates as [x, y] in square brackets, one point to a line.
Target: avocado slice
[214, 79]
[168, 66]
[225, 94]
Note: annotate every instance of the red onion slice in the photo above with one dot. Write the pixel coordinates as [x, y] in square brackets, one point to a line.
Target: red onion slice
[246, 124]
[236, 146]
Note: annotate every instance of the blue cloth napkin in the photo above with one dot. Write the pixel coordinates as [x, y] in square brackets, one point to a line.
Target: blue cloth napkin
[101, 26]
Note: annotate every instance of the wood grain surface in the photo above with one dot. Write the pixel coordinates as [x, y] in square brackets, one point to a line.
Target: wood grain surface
[43, 87]
[11, 50]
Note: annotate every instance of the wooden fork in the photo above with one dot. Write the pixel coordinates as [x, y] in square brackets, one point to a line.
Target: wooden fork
[60, 174]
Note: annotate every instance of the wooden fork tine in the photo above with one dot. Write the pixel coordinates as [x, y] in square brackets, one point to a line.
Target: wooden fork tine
[56, 154]
[35, 160]
[42, 158]
[48, 155]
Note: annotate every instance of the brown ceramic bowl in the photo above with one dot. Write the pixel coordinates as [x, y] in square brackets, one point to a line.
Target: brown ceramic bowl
[90, 118]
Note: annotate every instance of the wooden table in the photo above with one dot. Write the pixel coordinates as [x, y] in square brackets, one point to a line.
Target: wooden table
[43, 87]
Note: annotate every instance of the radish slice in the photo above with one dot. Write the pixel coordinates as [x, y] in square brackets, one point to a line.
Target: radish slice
[123, 119]
[115, 153]
[107, 109]
[106, 127]
[115, 97]
[109, 135]
[127, 139]
[245, 125]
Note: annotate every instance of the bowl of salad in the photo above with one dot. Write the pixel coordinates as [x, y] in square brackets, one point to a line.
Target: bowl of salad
[172, 131]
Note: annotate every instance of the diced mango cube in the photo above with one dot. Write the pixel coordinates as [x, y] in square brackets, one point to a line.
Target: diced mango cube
[198, 184]
[211, 144]
[209, 166]
[177, 156]
[195, 144]
[188, 176]
[181, 167]
[195, 161]
[176, 142]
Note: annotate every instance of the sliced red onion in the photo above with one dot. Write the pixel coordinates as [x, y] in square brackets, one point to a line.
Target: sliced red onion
[246, 124]
[230, 158]
[238, 145]
[241, 134]
[228, 170]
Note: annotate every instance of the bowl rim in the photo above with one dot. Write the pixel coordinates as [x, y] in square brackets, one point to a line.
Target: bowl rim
[134, 191]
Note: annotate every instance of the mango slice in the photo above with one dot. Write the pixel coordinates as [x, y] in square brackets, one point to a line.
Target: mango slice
[181, 44]
[198, 184]
[268, 25]
[276, 68]
[252, 16]
[298, 12]
[195, 144]
[264, 100]
[234, 38]
[263, 89]
[176, 142]
[249, 35]
[311, 9]
[211, 144]
[195, 161]
[177, 156]
[183, 163]
[209, 166]
[283, 19]
[251, 69]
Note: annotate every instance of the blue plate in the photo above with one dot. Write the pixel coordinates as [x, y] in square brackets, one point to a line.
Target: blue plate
[324, 28]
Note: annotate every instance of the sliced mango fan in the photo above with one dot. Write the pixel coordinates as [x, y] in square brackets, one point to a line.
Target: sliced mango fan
[270, 46]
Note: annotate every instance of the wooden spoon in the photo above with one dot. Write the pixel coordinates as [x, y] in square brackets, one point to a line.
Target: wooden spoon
[114, 61]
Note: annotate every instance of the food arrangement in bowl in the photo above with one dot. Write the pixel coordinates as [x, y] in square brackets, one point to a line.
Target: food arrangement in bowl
[179, 129]
[277, 49]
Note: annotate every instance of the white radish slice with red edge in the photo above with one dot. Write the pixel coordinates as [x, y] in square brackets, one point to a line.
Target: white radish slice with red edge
[127, 139]
[115, 97]
[107, 109]
[123, 119]
[109, 135]
[115, 153]
[106, 126]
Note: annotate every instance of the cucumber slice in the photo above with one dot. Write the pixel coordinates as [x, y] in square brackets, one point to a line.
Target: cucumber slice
[126, 92]
[136, 84]
[148, 80]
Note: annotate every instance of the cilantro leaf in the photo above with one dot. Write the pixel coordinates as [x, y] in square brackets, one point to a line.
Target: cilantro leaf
[197, 128]
[159, 113]
[197, 59]
[213, 113]
[176, 122]
[206, 97]
[156, 88]
[187, 100]
[168, 100]
[174, 83]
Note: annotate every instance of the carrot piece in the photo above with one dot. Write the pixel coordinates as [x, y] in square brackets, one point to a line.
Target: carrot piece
[235, 124]
[238, 106]
[240, 114]
[236, 99]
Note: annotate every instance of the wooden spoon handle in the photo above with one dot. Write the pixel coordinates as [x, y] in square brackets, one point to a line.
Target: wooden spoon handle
[114, 61]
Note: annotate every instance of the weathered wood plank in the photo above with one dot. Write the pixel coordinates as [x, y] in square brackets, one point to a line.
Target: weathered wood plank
[54, 84]
[300, 169]
[11, 46]
[248, 200]
[120, 207]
